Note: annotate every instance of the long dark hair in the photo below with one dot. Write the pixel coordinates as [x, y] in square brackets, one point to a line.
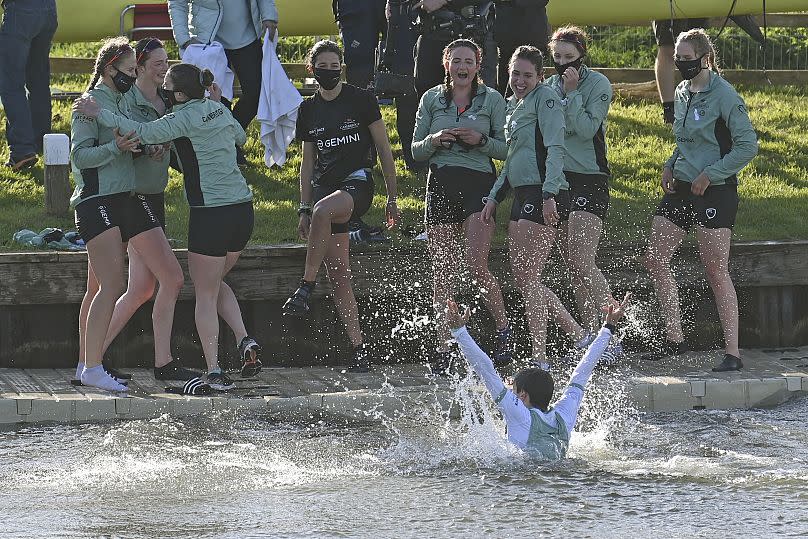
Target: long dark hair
[112, 50]
[531, 54]
[447, 82]
[190, 80]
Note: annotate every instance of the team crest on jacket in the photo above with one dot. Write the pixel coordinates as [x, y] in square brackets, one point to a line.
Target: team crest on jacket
[711, 213]
[528, 208]
[550, 103]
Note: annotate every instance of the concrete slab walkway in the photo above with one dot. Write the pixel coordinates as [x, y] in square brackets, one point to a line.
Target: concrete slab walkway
[682, 383]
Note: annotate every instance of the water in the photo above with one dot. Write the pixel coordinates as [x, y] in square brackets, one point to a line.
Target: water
[692, 474]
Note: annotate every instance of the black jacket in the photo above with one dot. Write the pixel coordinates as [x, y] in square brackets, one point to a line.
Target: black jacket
[522, 22]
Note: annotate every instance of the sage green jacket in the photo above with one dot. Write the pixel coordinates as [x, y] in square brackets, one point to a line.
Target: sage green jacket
[151, 177]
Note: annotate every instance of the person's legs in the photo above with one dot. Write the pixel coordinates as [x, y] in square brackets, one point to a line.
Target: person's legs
[503, 77]
[92, 290]
[206, 274]
[444, 251]
[334, 208]
[664, 72]
[226, 303]
[428, 63]
[360, 36]
[714, 252]
[588, 283]
[529, 245]
[246, 64]
[663, 243]
[478, 245]
[37, 77]
[19, 27]
[338, 267]
[155, 252]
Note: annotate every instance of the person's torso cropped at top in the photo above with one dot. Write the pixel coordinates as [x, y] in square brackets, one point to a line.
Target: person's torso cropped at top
[713, 133]
[204, 133]
[202, 19]
[339, 131]
[99, 166]
[485, 114]
[534, 130]
[585, 110]
[151, 176]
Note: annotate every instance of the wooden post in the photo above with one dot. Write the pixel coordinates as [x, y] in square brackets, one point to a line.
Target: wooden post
[57, 173]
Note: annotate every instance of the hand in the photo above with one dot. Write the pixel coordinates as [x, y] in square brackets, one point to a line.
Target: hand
[392, 214]
[156, 151]
[489, 209]
[453, 317]
[271, 27]
[700, 184]
[215, 92]
[667, 180]
[128, 142]
[192, 41]
[444, 135]
[87, 106]
[615, 311]
[468, 135]
[550, 212]
[571, 77]
[430, 5]
[303, 226]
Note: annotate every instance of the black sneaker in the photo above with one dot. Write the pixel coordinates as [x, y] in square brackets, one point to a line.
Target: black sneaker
[441, 363]
[26, 161]
[219, 381]
[298, 303]
[174, 371]
[250, 353]
[503, 353]
[361, 360]
[115, 373]
[730, 363]
[668, 348]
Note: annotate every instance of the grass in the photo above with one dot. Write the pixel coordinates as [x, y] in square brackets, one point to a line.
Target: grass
[773, 190]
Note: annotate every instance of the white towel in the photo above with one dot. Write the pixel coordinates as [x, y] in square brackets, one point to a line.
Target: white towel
[211, 57]
[277, 106]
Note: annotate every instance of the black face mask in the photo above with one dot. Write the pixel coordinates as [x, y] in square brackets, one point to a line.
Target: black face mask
[123, 82]
[169, 97]
[327, 78]
[689, 68]
[561, 68]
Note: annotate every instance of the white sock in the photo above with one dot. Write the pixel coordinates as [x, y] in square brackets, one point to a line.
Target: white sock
[98, 377]
[79, 369]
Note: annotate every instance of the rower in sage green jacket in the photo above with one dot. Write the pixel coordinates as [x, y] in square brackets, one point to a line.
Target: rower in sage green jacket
[151, 176]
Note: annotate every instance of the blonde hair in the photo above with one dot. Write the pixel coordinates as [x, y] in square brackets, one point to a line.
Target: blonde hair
[573, 35]
[702, 45]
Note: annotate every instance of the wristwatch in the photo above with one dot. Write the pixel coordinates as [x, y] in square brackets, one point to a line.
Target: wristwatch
[483, 140]
[547, 195]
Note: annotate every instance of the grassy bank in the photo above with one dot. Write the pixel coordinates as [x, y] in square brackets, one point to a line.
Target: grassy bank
[774, 188]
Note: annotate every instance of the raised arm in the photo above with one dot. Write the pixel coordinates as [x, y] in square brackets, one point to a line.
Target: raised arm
[586, 118]
[169, 127]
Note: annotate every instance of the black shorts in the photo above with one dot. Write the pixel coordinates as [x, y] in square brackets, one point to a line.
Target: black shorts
[99, 214]
[589, 193]
[717, 208]
[141, 216]
[666, 33]
[527, 204]
[455, 193]
[361, 192]
[219, 230]
[157, 203]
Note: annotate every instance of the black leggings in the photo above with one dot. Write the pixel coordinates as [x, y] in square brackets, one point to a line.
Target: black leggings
[246, 64]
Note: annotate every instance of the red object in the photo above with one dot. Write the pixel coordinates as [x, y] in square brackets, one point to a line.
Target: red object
[153, 16]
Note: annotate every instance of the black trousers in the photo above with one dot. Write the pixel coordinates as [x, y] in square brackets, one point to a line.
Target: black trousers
[246, 64]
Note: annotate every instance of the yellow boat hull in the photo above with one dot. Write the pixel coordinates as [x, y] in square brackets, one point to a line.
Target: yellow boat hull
[91, 20]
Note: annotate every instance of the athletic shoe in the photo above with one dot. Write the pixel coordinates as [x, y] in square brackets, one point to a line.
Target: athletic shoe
[503, 352]
[115, 373]
[219, 381]
[26, 161]
[298, 303]
[730, 363]
[361, 360]
[441, 362]
[668, 348]
[194, 386]
[174, 371]
[250, 353]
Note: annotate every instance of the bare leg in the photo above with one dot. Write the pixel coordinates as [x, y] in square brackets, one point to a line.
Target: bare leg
[665, 239]
[227, 305]
[714, 251]
[562, 317]
[444, 249]
[338, 266]
[206, 273]
[663, 69]
[92, 290]
[335, 208]
[153, 257]
[529, 246]
[478, 245]
[588, 283]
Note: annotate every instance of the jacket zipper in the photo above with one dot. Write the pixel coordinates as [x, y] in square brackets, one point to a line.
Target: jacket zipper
[684, 122]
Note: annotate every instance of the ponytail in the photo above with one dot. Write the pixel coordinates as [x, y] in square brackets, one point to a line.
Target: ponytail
[111, 50]
[190, 80]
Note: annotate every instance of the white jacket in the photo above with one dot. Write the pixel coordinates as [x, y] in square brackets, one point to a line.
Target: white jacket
[211, 56]
[277, 106]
